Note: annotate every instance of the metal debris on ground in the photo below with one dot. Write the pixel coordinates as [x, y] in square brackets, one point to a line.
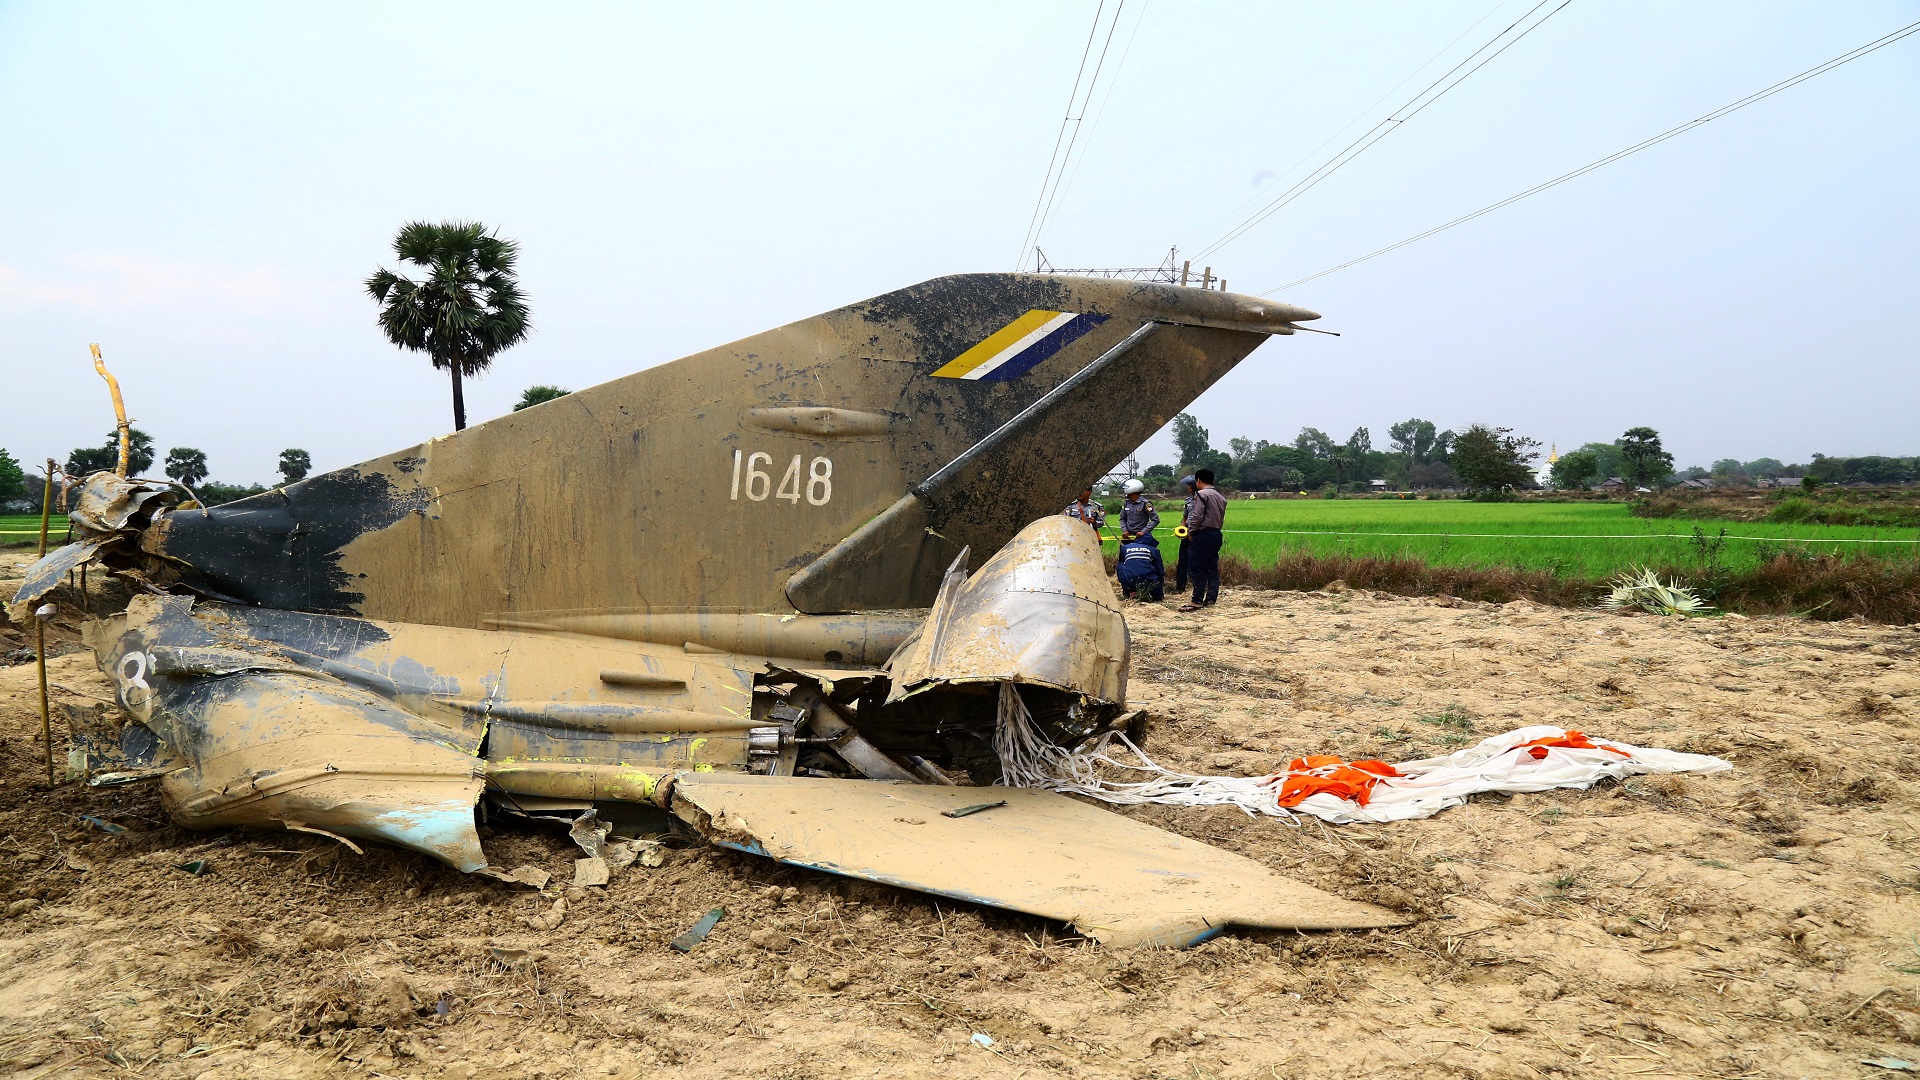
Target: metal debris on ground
[966, 811]
[685, 942]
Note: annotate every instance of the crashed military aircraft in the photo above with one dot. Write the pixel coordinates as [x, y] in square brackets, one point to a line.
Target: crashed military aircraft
[738, 588]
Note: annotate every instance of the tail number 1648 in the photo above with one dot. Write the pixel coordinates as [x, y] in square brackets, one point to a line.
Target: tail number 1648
[756, 482]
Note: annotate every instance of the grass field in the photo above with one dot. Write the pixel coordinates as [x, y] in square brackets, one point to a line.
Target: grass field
[1582, 539]
[25, 529]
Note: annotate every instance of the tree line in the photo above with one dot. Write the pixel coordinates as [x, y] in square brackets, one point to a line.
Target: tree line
[1418, 454]
[1481, 458]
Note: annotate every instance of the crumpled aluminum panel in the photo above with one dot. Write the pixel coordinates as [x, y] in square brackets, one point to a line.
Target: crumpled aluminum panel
[1041, 611]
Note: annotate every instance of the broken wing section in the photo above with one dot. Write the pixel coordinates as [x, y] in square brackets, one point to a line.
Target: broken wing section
[260, 739]
[1116, 880]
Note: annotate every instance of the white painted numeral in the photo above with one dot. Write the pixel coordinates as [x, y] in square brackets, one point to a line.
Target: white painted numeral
[820, 477]
[818, 484]
[754, 472]
[790, 483]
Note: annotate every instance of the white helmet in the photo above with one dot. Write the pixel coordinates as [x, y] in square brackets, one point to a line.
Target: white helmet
[1134, 487]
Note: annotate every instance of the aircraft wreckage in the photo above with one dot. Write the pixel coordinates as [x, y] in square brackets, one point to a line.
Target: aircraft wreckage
[733, 588]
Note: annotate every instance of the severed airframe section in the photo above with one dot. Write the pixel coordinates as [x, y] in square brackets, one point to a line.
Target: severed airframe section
[773, 589]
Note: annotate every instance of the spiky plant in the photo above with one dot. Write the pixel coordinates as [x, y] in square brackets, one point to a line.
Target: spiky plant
[1645, 591]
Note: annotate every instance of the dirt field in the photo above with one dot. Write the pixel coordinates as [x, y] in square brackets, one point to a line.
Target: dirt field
[1754, 924]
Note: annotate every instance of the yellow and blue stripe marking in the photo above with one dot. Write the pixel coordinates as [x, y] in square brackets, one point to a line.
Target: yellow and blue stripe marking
[1016, 348]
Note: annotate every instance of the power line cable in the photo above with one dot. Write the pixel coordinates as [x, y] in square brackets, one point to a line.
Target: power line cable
[1505, 39]
[1075, 137]
[1364, 113]
[1094, 128]
[1716, 114]
[1060, 137]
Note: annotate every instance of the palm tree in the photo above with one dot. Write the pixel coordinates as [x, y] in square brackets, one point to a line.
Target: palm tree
[186, 465]
[468, 307]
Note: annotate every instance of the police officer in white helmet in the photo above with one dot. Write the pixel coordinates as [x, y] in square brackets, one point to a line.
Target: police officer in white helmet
[1137, 516]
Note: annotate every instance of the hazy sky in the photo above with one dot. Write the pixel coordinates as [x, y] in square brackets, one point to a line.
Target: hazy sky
[202, 188]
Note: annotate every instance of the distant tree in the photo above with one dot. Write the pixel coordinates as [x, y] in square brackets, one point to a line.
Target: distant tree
[1576, 469]
[1217, 460]
[1869, 469]
[186, 465]
[536, 395]
[1606, 456]
[1272, 478]
[1191, 438]
[1360, 443]
[1434, 474]
[467, 309]
[1490, 458]
[1241, 448]
[214, 493]
[294, 465]
[1693, 472]
[1396, 470]
[1728, 467]
[13, 479]
[140, 451]
[1765, 466]
[85, 462]
[1315, 443]
[1158, 472]
[1643, 458]
[1412, 439]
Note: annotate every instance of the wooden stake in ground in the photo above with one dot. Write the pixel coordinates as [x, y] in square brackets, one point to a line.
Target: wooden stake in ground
[40, 620]
[119, 407]
[46, 503]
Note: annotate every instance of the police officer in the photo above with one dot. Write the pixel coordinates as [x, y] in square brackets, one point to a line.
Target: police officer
[1087, 510]
[1139, 569]
[1137, 516]
[1207, 512]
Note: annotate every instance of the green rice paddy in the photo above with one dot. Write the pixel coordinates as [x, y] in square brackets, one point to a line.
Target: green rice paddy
[25, 529]
[1595, 539]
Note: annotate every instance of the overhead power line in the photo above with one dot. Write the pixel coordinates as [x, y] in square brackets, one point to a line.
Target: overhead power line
[1364, 113]
[1454, 76]
[1759, 95]
[1070, 126]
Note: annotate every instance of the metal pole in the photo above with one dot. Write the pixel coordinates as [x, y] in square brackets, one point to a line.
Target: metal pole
[46, 505]
[46, 717]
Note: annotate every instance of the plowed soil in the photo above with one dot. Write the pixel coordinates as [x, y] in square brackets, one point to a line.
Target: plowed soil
[1758, 923]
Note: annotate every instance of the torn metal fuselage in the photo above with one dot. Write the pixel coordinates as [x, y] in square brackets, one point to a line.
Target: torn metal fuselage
[393, 731]
[744, 573]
